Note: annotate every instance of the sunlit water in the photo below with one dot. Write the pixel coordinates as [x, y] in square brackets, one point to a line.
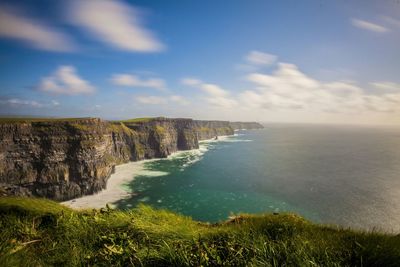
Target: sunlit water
[342, 175]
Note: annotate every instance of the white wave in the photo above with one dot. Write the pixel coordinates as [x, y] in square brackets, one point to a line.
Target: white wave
[213, 140]
[238, 140]
[190, 162]
[118, 183]
[195, 155]
[150, 173]
[123, 175]
[144, 199]
[226, 139]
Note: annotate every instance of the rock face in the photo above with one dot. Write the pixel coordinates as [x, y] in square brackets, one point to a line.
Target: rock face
[210, 129]
[158, 138]
[64, 159]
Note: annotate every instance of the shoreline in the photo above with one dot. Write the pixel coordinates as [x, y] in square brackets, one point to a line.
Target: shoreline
[125, 173]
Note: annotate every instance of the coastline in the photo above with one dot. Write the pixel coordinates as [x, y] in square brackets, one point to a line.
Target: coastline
[127, 172]
[113, 192]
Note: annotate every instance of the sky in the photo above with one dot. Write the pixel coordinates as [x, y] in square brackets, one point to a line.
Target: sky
[311, 61]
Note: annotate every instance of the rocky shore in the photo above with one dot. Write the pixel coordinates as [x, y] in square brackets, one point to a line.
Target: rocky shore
[63, 159]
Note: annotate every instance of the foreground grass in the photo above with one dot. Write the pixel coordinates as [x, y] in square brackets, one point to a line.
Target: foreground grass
[43, 233]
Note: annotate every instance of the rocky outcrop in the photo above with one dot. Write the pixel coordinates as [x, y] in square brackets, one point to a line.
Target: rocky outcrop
[66, 158]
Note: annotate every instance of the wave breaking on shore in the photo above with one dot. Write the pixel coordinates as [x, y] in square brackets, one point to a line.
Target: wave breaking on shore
[117, 184]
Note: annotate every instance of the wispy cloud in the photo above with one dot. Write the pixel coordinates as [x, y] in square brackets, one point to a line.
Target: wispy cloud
[130, 80]
[65, 80]
[386, 85]
[162, 100]
[179, 100]
[14, 24]
[55, 103]
[254, 60]
[17, 102]
[191, 81]
[151, 100]
[115, 23]
[215, 94]
[260, 58]
[366, 25]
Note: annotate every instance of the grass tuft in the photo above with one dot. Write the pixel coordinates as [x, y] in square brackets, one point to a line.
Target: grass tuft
[38, 232]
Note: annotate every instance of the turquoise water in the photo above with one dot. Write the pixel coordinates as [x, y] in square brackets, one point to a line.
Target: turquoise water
[342, 175]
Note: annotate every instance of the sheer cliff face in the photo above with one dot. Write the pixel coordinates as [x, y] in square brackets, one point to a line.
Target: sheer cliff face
[160, 137]
[64, 159]
[210, 129]
[59, 160]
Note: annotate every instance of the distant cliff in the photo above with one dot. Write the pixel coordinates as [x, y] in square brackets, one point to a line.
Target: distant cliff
[66, 158]
[237, 125]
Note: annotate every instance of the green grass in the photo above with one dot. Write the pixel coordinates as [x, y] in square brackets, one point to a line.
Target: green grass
[120, 127]
[204, 129]
[140, 120]
[38, 232]
[159, 130]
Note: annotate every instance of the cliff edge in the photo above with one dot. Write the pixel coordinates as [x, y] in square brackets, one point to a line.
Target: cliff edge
[66, 158]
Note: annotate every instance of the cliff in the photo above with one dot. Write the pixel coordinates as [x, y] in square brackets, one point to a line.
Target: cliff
[237, 125]
[67, 158]
[210, 129]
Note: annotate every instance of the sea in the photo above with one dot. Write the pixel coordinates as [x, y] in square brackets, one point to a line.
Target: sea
[343, 175]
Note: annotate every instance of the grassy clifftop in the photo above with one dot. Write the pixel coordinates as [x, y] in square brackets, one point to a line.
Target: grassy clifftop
[38, 232]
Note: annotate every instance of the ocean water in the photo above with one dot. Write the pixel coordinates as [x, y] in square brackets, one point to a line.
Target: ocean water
[329, 174]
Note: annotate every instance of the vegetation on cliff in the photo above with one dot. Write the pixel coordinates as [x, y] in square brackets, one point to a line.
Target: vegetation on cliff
[41, 232]
[141, 120]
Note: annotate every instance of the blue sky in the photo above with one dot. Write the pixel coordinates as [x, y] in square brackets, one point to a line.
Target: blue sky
[284, 61]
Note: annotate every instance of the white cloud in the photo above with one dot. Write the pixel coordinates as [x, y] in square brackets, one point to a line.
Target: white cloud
[216, 96]
[386, 86]
[190, 81]
[366, 25]
[213, 90]
[15, 25]
[130, 80]
[151, 100]
[17, 102]
[179, 100]
[115, 23]
[55, 103]
[260, 58]
[286, 93]
[287, 88]
[66, 81]
[159, 100]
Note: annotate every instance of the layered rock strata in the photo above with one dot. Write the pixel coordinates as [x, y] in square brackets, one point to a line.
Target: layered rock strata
[67, 158]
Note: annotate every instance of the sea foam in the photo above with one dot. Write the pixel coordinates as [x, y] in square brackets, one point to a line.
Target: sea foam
[118, 184]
